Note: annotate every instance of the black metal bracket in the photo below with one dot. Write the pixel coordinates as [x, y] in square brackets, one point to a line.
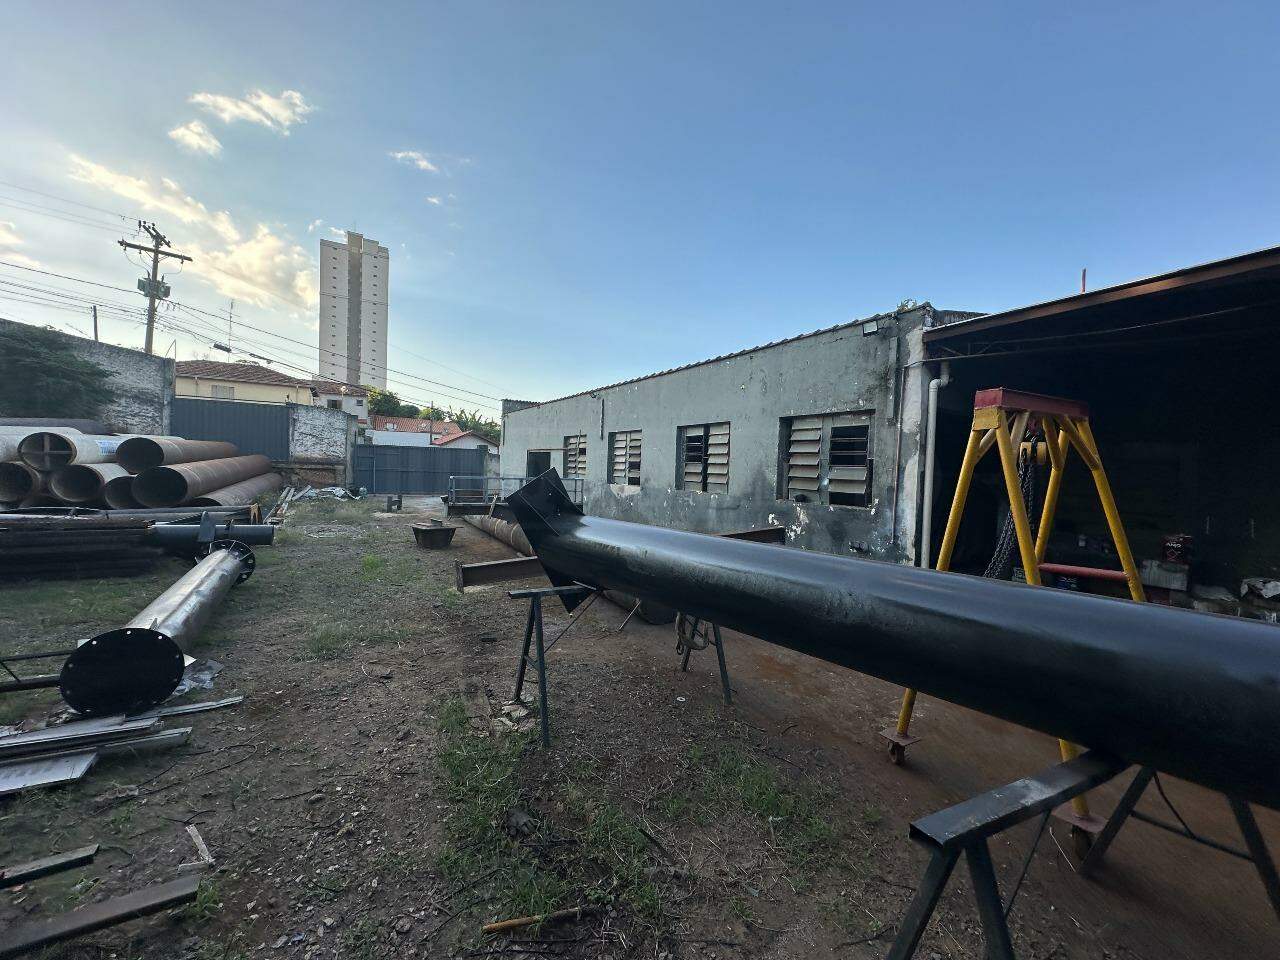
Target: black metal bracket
[533, 636]
[966, 827]
[686, 649]
[1256, 850]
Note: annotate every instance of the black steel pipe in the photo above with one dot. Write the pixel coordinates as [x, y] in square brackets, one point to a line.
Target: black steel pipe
[140, 664]
[1193, 694]
[186, 536]
[118, 493]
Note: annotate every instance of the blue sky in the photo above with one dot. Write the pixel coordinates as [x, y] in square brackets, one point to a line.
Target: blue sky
[624, 188]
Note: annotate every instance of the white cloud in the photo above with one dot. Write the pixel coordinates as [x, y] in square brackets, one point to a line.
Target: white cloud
[195, 137]
[314, 225]
[341, 234]
[166, 197]
[415, 158]
[8, 240]
[277, 113]
[263, 270]
[434, 201]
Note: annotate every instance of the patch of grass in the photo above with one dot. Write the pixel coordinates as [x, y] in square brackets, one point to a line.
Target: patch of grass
[328, 641]
[372, 566]
[206, 904]
[360, 940]
[595, 852]
[725, 781]
[872, 816]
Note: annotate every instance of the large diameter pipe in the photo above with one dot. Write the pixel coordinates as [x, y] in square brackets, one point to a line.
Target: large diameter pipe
[142, 453]
[85, 482]
[140, 664]
[1193, 694]
[28, 424]
[118, 492]
[52, 449]
[174, 485]
[19, 481]
[238, 494]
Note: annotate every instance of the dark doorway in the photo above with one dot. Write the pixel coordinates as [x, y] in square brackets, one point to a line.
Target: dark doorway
[537, 462]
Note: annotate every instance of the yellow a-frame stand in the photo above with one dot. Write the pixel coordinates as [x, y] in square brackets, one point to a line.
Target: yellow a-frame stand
[1000, 419]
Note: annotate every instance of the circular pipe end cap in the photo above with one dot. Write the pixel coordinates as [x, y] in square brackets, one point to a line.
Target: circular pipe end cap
[240, 550]
[121, 671]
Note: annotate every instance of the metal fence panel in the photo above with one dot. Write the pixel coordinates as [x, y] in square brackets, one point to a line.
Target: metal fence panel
[384, 468]
[253, 427]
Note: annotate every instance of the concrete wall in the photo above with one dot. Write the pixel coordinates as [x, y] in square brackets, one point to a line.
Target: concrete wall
[143, 384]
[833, 371]
[320, 444]
[254, 392]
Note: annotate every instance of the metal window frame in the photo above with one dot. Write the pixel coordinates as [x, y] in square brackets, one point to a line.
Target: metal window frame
[826, 422]
[704, 430]
[636, 436]
[577, 443]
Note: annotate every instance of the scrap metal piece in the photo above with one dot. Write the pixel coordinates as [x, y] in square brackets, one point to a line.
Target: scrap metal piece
[30, 772]
[96, 916]
[1189, 693]
[140, 664]
[54, 863]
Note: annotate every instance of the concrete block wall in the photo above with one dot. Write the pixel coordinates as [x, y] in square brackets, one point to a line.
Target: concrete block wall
[320, 443]
[143, 384]
[844, 369]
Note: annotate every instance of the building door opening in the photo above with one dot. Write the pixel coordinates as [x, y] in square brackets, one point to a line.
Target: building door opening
[537, 462]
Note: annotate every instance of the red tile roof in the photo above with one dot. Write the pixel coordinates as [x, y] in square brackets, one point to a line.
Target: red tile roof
[450, 437]
[238, 372]
[414, 425]
[333, 388]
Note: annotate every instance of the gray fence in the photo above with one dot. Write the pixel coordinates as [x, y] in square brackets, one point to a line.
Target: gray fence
[382, 468]
[253, 427]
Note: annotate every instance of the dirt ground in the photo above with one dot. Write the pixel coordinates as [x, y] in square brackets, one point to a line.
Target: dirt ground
[360, 803]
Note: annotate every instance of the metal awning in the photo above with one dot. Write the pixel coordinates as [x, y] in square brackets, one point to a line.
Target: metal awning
[1224, 298]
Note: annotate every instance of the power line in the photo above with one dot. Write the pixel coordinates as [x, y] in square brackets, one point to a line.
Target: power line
[78, 203]
[271, 333]
[155, 289]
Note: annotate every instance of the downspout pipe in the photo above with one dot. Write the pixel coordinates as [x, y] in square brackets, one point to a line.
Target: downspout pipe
[930, 450]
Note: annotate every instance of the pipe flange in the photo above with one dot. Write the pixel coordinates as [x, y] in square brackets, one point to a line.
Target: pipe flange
[121, 671]
[241, 550]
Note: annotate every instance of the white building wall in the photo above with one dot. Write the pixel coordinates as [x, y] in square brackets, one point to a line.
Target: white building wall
[369, 312]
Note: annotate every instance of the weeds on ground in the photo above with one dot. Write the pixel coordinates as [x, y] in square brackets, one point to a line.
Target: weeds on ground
[592, 852]
[333, 641]
[206, 904]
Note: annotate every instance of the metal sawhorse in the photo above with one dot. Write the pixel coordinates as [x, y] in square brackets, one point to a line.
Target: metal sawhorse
[966, 827]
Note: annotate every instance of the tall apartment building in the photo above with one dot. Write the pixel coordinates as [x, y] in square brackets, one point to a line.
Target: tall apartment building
[353, 311]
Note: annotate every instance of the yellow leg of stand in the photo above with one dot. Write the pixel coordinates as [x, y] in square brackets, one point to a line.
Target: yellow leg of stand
[1059, 444]
[1112, 513]
[972, 453]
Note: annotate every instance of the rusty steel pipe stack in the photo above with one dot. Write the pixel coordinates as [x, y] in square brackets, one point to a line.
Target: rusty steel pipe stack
[172, 486]
[137, 454]
[118, 493]
[84, 482]
[243, 492]
[18, 481]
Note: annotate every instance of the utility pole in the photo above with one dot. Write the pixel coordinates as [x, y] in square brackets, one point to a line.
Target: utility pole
[95, 323]
[151, 285]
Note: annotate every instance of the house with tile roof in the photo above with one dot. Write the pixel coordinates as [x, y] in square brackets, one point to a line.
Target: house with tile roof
[218, 380]
[409, 431]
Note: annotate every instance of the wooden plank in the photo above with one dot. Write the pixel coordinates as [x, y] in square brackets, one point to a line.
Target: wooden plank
[98, 916]
[54, 863]
[185, 708]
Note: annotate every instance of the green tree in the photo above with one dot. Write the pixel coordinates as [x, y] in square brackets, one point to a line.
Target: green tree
[487, 427]
[408, 410]
[433, 412]
[43, 377]
[383, 403]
